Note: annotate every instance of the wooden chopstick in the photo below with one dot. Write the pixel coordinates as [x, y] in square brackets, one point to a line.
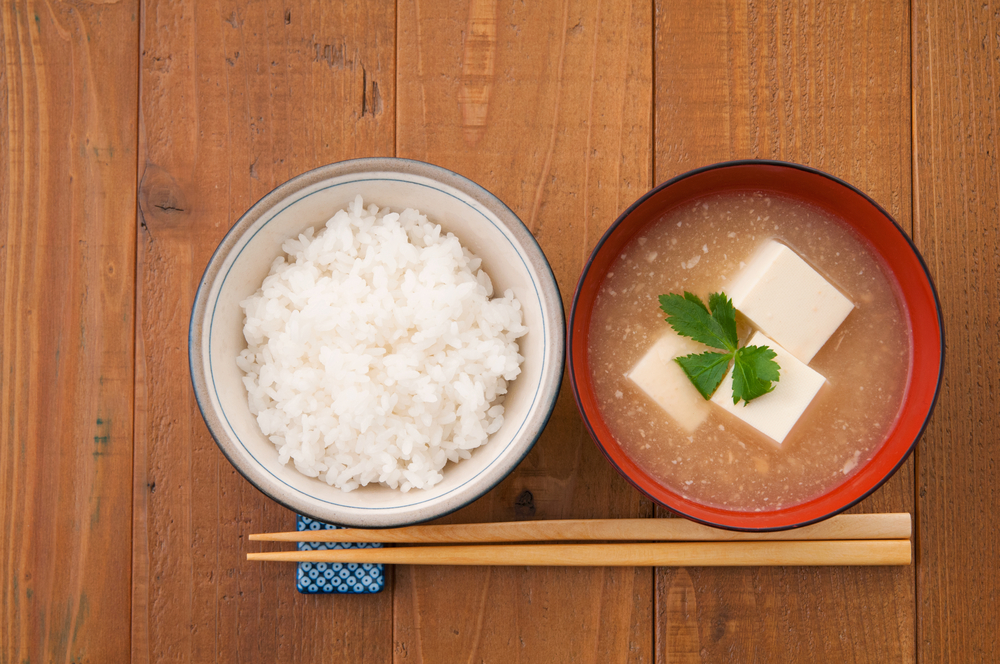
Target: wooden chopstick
[842, 527]
[677, 554]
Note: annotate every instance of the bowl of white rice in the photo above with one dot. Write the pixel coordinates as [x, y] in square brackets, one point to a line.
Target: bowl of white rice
[377, 342]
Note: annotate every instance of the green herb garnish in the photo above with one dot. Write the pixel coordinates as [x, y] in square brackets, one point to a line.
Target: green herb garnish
[754, 368]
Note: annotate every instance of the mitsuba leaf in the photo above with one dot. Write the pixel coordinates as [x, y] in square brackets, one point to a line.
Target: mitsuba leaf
[705, 370]
[689, 317]
[754, 373]
[724, 312]
[754, 368]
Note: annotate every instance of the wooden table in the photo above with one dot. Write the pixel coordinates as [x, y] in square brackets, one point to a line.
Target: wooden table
[136, 133]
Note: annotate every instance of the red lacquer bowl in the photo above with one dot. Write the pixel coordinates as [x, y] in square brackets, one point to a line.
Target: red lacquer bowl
[890, 244]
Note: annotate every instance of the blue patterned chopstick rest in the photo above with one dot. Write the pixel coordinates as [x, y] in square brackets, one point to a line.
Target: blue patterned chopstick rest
[323, 578]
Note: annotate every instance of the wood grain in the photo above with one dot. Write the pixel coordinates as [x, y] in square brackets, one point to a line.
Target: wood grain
[547, 105]
[67, 255]
[825, 85]
[236, 97]
[956, 79]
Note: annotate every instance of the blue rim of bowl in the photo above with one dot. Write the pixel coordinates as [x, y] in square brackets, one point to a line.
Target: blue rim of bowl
[381, 165]
[728, 164]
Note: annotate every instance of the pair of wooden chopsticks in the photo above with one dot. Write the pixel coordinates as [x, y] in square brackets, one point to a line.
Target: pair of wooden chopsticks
[849, 539]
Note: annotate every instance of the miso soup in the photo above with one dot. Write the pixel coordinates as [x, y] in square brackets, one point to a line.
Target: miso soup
[701, 248]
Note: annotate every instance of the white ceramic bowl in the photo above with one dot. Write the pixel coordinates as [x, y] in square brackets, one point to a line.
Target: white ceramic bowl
[482, 223]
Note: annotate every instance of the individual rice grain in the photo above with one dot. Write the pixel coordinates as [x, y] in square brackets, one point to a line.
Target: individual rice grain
[376, 351]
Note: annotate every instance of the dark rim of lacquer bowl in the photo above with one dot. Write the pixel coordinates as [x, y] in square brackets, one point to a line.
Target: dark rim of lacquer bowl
[890, 245]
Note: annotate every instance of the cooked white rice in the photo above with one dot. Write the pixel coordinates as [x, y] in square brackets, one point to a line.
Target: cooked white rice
[375, 352]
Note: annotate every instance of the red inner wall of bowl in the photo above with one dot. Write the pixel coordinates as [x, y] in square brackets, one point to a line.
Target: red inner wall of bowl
[888, 243]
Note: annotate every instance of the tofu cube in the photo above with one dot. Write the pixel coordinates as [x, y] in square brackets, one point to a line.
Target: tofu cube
[789, 301]
[775, 413]
[666, 383]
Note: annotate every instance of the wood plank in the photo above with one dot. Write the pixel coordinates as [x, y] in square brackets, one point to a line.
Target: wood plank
[236, 97]
[67, 257]
[956, 79]
[547, 105]
[754, 80]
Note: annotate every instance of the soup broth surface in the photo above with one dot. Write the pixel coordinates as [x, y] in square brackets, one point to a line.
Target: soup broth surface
[701, 248]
